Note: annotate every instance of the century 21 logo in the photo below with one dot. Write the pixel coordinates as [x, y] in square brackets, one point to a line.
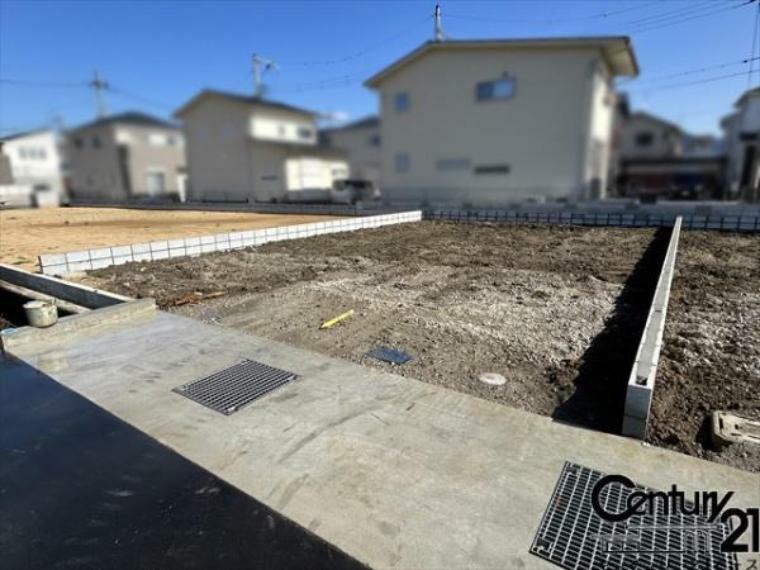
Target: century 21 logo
[708, 503]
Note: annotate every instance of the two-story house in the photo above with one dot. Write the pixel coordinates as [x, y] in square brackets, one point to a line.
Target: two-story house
[489, 122]
[126, 157]
[249, 149]
[34, 160]
[742, 141]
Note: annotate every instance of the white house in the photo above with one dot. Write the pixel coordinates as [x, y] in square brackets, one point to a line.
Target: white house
[248, 149]
[35, 162]
[126, 157]
[489, 122]
[361, 141]
[742, 138]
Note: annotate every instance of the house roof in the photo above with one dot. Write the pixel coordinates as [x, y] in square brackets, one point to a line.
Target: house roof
[746, 95]
[23, 134]
[128, 118]
[655, 119]
[617, 50]
[247, 99]
[365, 123]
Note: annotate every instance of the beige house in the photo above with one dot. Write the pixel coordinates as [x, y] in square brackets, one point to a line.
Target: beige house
[248, 149]
[361, 141]
[489, 122]
[742, 140]
[126, 157]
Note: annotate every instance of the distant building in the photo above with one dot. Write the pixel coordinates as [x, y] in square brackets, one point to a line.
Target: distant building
[361, 141]
[658, 160]
[742, 138]
[489, 122]
[35, 161]
[126, 157]
[248, 149]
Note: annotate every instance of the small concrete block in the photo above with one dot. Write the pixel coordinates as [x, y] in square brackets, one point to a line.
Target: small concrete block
[140, 248]
[208, 247]
[235, 236]
[159, 245]
[52, 259]
[77, 256]
[236, 243]
[177, 252]
[637, 401]
[121, 259]
[176, 243]
[141, 256]
[270, 232]
[728, 428]
[121, 250]
[163, 254]
[193, 250]
[79, 266]
[101, 263]
[634, 427]
[100, 253]
[207, 240]
[247, 235]
[192, 241]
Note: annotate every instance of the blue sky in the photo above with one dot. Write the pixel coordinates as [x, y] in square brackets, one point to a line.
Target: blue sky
[157, 55]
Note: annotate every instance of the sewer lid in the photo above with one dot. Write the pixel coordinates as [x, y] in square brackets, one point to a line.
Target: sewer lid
[229, 390]
[573, 536]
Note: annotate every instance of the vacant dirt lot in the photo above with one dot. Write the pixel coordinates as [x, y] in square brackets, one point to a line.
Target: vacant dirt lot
[26, 234]
[711, 356]
[524, 302]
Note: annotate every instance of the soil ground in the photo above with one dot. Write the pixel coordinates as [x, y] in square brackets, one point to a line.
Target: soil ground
[462, 299]
[26, 234]
[711, 354]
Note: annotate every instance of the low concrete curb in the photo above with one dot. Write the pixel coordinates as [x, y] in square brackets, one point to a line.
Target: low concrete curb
[12, 339]
[640, 389]
[81, 295]
[63, 263]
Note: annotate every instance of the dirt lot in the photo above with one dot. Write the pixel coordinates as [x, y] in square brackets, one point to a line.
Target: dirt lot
[26, 234]
[711, 355]
[524, 302]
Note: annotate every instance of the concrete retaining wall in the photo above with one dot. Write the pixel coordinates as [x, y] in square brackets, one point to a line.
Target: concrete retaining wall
[641, 381]
[63, 263]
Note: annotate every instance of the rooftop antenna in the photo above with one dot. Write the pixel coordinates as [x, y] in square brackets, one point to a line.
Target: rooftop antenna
[437, 20]
[99, 85]
[258, 62]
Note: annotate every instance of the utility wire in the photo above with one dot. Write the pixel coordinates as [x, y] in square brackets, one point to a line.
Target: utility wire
[52, 84]
[754, 44]
[694, 71]
[597, 16]
[677, 22]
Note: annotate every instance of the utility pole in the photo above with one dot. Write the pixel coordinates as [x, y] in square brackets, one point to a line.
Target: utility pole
[437, 20]
[99, 85]
[258, 61]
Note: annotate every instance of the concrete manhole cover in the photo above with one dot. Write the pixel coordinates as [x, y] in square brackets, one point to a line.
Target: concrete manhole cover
[493, 379]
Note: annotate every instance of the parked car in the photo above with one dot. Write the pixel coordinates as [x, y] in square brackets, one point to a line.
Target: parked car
[353, 190]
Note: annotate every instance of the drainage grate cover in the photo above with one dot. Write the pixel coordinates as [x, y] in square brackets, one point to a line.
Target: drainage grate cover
[574, 537]
[229, 390]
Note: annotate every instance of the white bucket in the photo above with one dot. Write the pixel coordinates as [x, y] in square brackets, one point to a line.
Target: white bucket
[41, 314]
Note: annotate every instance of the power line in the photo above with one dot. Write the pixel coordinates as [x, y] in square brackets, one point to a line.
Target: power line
[51, 84]
[676, 22]
[695, 71]
[597, 16]
[754, 44]
[698, 81]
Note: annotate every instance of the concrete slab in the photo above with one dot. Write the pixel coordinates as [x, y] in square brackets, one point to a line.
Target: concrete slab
[394, 472]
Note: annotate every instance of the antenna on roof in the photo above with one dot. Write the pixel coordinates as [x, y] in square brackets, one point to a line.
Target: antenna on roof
[99, 85]
[437, 19]
[258, 61]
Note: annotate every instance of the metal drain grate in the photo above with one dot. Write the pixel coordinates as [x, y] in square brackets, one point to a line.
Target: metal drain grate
[230, 389]
[573, 536]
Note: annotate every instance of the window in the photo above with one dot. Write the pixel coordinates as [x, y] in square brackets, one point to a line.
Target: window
[374, 140]
[96, 142]
[305, 133]
[171, 140]
[453, 164]
[22, 152]
[492, 169]
[401, 102]
[78, 143]
[42, 153]
[644, 139]
[503, 88]
[155, 183]
[402, 162]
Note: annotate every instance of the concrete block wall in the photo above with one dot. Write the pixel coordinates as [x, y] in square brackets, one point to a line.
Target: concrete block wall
[641, 381]
[75, 261]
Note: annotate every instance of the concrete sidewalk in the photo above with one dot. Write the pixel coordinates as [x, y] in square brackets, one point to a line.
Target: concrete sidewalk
[394, 472]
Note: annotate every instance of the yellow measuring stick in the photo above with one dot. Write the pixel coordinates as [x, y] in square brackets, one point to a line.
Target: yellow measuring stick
[332, 322]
